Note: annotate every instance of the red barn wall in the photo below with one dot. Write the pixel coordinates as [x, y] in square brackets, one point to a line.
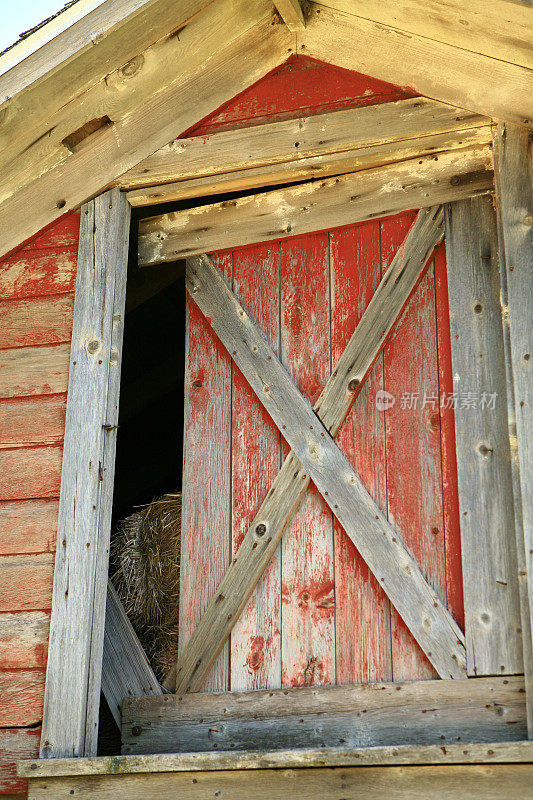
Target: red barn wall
[36, 301]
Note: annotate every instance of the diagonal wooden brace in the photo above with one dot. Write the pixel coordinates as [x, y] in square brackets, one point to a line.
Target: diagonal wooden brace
[429, 621]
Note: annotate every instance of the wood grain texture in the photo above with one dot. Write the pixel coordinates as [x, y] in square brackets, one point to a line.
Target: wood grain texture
[471, 753]
[22, 697]
[15, 744]
[30, 472]
[291, 482]
[70, 721]
[367, 715]
[28, 526]
[501, 30]
[291, 140]
[126, 671]
[35, 421]
[493, 627]
[397, 572]
[26, 582]
[26, 371]
[406, 58]
[292, 14]
[255, 458]
[362, 618]
[24, 323]
[514, 197]
[329, 203]
[24, 640]
[486, 782]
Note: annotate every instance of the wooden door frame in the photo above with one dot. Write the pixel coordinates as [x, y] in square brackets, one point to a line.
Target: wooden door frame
[70, 717]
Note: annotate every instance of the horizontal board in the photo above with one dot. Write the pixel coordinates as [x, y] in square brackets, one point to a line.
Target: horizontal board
[34, 421]
[297, 139]
[24, 640]
[422, 712]
[489, 782]
[28, 526]
[493, 752]
[26, 371]
[328, 203]
[30, 472]
[310, 168]
[15, 744]
[26, 582]
[36, 321]
[36, 273]
[22, 693]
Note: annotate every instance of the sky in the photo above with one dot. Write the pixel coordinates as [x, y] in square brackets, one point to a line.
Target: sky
[19, 15]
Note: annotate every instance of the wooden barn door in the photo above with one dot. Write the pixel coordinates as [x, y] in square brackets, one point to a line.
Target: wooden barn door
[318, 616]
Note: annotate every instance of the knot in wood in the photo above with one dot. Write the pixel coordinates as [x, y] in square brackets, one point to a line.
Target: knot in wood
[260, 529]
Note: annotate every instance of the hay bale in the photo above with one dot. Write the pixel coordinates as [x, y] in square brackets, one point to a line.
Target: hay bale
[145, 551]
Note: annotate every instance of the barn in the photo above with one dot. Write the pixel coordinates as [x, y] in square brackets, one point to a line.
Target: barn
[276, 256]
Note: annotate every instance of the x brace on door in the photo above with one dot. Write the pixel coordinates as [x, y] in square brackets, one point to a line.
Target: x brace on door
[316, 457]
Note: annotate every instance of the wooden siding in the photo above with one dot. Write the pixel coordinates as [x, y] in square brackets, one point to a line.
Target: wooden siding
[36, 291]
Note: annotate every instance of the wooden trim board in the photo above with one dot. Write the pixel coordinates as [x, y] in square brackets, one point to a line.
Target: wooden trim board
[320, 205]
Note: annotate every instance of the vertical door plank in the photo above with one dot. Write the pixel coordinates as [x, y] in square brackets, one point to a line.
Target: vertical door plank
[255, 455]
[483, 452]
[362, 610]
[412, 430]
[72, 696]
[450, 492]
[206, 510]
[308, 598]
[514, 194]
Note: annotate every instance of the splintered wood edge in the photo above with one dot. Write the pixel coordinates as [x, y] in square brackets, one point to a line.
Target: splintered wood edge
[496, 752]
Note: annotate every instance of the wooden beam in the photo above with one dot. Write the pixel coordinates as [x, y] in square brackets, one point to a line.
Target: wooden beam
[364, 715]
[193, 85]
[292, 14]
[432, 782]
[126, 671]
[316, 205]
[296, 140]
[72, 695]
[430, 67]
[462, 753]
[315, 453]
[490, 573]
[501, 29]
[514, 195]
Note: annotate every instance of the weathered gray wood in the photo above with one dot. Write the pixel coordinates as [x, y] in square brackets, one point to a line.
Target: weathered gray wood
[291, 482]
[317, 205]
[493, 626]
[126, 671]
[72, 695]
[430, 782]
[420, 712]
[476, 753]
[394, 568]
[514, 197]
[292, 14]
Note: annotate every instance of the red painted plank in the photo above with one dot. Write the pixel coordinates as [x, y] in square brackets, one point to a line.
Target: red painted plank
[414, 477]
[308, 598]
[61, 233]
[36, 321]
[34, 421]
[362, 611]
[301, 85]
[28, 526]
[30, 371]
[452, 527]
[206, 515]
[22, 693]
[30, 472]
[26, 582]
[255, 451]
[15, 744]
[24, 640]
[35, 273]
